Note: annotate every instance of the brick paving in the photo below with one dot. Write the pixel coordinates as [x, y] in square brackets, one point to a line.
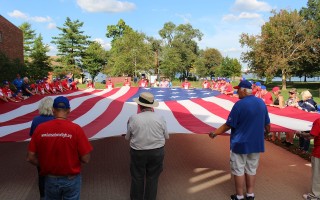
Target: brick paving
[196, 168]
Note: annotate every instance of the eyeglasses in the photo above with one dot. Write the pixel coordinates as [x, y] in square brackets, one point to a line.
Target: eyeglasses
[291, 93]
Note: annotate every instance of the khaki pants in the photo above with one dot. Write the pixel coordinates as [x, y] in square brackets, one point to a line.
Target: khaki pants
[315, 187]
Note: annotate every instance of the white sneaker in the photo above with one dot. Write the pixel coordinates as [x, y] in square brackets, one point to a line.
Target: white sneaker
[310, 196]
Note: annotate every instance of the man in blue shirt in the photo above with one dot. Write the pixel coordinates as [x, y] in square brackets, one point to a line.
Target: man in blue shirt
[248, 121]
[17, 82]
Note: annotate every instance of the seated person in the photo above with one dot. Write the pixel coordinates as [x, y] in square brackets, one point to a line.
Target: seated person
[90, 84]
[279, 100]
[293, 98]
[266, 96]
[126, 82]
[169, 83]
[18, 95]
[143, 82]
[73, 85]
[186, 84]
[164, 83]
[109, 84]
[65, 84]
[206, 84]
[307, 103]
[2, 97]
[8, 93]
[256, 91]
[228, 89]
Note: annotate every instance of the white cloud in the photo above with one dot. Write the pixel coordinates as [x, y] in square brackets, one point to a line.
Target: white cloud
[18, 14]
[41, 19]
[251, 5]
[243, 15]
[52, 50]
[112, 6]
[51, 26]
[106, 45]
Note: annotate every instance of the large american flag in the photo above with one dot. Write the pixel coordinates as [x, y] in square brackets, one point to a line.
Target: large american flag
[104, 113]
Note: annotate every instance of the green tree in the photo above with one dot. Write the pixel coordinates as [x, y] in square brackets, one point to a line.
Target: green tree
[71, 44]
[118, 30]
[39, 65]
[29, 36]
[230, 67]
[182, 39]
[94, 59]
[130, 54]
[284, 40]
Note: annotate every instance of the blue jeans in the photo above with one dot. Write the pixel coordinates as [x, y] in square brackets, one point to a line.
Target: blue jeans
[66, 188]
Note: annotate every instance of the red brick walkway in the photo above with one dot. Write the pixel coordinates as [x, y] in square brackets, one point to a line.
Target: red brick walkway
[196, 168]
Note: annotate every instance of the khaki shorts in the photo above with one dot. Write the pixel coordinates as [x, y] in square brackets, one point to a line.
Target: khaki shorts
[244, 163]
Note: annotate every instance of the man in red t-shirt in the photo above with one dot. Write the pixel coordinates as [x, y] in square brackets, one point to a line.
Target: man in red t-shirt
[6, 91]
[126, 82]
[143, 82]
[206, 84]
[59, 147]
[315, 159]
[266, 96]
[186, 84]
[109, 84]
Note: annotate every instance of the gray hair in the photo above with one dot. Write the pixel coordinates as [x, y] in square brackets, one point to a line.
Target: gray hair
[249, 91]
[25, 79]
[45, 106]
[306, 95]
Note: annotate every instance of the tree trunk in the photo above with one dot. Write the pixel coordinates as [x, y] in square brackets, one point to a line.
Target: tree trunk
[305, 78]
[284, 81]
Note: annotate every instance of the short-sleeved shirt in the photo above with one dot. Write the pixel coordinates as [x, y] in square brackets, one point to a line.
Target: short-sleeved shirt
[247, 120]
[39, 120]
[18, 83]
[146, 130]
[315, 131]
[24, 88]
[59, 144]
[267, 98]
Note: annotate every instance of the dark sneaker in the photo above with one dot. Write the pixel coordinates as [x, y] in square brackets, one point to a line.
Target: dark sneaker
[234, 197]
[249, 198]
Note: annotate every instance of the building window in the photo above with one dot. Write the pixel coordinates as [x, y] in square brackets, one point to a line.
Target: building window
[0, 36]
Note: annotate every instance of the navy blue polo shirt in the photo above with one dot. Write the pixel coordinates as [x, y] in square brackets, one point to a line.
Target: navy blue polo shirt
[247, 120]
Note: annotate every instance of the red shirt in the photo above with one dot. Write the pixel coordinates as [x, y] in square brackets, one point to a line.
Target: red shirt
[109, 85]
[186, 85]
[143, 83]
[206, 84]
[59, 144]
[7, 92]
[315, 131]
[267, 98]
[127, 83]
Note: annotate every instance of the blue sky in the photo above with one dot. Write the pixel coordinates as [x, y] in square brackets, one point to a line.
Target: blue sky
[221, 22]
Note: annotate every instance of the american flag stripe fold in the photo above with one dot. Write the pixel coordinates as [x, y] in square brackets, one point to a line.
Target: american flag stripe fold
[104, 113]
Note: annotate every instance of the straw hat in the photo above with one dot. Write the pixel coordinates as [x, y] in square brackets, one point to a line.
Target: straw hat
[146, 99]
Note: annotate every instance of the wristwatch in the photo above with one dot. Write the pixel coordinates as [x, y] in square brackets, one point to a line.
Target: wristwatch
[212, 134]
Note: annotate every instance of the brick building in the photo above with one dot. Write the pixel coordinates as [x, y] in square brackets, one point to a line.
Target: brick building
[11, 40]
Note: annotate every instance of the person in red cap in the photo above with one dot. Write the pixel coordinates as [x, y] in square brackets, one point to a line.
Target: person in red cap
[109, 84]
[186, 84]
[248, 121]
[58, 147]
[126, 82]
[206, 84]
[279, 100]
[8, 93]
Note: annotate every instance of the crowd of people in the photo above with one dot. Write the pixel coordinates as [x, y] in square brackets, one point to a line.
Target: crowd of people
[21, 88]
[248, 120]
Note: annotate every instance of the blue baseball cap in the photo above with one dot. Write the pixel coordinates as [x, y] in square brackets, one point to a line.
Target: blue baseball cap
[5, 83]
[263, 87]
[258, 84]
[244, 84]
[61, 102]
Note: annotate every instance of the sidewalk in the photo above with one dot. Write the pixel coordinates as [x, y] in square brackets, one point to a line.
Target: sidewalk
[196, 168]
